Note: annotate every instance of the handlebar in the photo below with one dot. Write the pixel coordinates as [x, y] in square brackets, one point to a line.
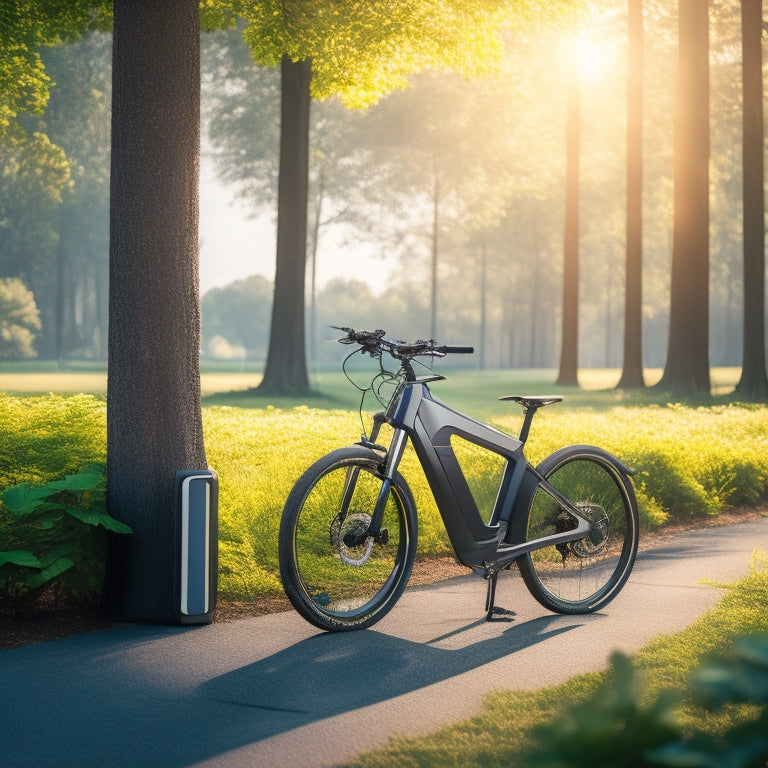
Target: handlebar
[374, 343]
[454, 350]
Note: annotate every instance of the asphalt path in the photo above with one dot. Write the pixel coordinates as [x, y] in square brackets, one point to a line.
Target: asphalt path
[272, 690]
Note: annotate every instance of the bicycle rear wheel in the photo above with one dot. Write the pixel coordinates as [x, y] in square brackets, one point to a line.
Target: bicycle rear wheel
[335, 576]
[584, 575]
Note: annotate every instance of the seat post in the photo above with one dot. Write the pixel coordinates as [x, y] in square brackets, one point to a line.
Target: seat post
[528, 413]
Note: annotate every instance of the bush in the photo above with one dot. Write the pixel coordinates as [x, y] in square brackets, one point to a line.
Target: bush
[615, 728]
[45, 438]
[689, 462]
[19, 319]
[700, 703]
[54, 537]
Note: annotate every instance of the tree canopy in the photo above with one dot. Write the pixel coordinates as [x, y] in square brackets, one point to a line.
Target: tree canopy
[361, 51]
[26, 26]
[19, 319]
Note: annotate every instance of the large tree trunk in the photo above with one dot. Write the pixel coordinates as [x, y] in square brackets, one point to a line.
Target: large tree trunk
[687, 368]
[286, 368]
[632, 374]
[569, 345]
[753, 384]
[435, 252]
[154, 420]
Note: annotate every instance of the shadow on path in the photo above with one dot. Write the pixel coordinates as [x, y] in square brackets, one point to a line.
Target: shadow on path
[330, 674]
[128, 697]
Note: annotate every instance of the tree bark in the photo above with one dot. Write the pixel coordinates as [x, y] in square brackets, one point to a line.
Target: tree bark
[632, 373]
[154, 418]
[435, 253]
[753, 384]
[687, 368]
[286, 369]
[569, 349]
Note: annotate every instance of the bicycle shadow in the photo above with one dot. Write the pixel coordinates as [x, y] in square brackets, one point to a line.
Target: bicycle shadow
[330, 674]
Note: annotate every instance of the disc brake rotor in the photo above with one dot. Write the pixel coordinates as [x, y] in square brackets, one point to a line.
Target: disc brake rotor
[351, 526]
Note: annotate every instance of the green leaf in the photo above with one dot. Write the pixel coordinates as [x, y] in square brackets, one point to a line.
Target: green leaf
[21, 557]
[83, 481]
[53, 571]
[66, 550]
[23, 499]
[99, 518]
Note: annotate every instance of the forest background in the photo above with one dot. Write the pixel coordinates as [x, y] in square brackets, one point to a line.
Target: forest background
[468, 173]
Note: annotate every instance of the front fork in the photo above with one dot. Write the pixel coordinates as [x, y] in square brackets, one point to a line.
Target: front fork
[391, 460]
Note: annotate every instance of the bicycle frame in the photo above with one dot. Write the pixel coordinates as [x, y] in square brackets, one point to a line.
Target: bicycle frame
[486, 548]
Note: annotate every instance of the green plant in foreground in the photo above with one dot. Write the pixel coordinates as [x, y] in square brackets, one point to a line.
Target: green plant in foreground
[55, 536]
[616, 728]
[739, 684]
[612, 728]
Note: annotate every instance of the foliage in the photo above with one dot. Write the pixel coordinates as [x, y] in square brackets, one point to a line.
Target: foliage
[690, 462]
[361, 51]
[718, 717]
[55, 536]
[612, 728]
[615, 727]
[25, 27]
[739, 683]
[223, 312]
[19, 319]
[44, 438]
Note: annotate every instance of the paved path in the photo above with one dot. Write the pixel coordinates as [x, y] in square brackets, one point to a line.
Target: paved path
[273, 691]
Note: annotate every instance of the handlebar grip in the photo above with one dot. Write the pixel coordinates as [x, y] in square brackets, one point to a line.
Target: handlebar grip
[453, 350]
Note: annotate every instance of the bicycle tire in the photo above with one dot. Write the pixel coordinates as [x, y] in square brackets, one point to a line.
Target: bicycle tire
[585, 575]
[334, 586]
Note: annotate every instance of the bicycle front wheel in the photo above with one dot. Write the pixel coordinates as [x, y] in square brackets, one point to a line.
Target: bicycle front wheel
[584, 575]
[336, 575]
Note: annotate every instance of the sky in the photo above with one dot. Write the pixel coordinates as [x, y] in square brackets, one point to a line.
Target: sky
[234, 246]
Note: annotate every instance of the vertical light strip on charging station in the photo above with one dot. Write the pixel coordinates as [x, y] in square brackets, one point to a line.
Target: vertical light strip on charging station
[195, 544]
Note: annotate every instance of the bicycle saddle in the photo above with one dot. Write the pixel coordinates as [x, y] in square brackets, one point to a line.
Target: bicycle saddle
[532, 402]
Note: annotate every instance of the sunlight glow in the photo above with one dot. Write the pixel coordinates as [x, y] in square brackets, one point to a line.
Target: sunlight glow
[592, 58]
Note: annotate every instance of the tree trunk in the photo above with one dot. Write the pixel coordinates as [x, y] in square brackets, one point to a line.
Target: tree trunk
[61, 271]
[569, 349]
[632, 374]
[753, 384]
[435, 252]
[286, 368]
[154, 421]
[483, 303]
[318, 213]
[687, 368]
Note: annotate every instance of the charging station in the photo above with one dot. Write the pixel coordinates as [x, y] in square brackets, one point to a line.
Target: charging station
[196, 511]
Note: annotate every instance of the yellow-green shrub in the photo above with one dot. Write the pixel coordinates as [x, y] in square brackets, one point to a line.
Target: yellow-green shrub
[45, 438]
[689, 462]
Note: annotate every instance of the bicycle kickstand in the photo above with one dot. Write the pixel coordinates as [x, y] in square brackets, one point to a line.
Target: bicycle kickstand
[493, 613]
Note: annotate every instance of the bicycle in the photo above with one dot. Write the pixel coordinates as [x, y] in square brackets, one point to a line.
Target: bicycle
[348, 531]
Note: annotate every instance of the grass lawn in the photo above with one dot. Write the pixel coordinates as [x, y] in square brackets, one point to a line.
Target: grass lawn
[477, 392]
